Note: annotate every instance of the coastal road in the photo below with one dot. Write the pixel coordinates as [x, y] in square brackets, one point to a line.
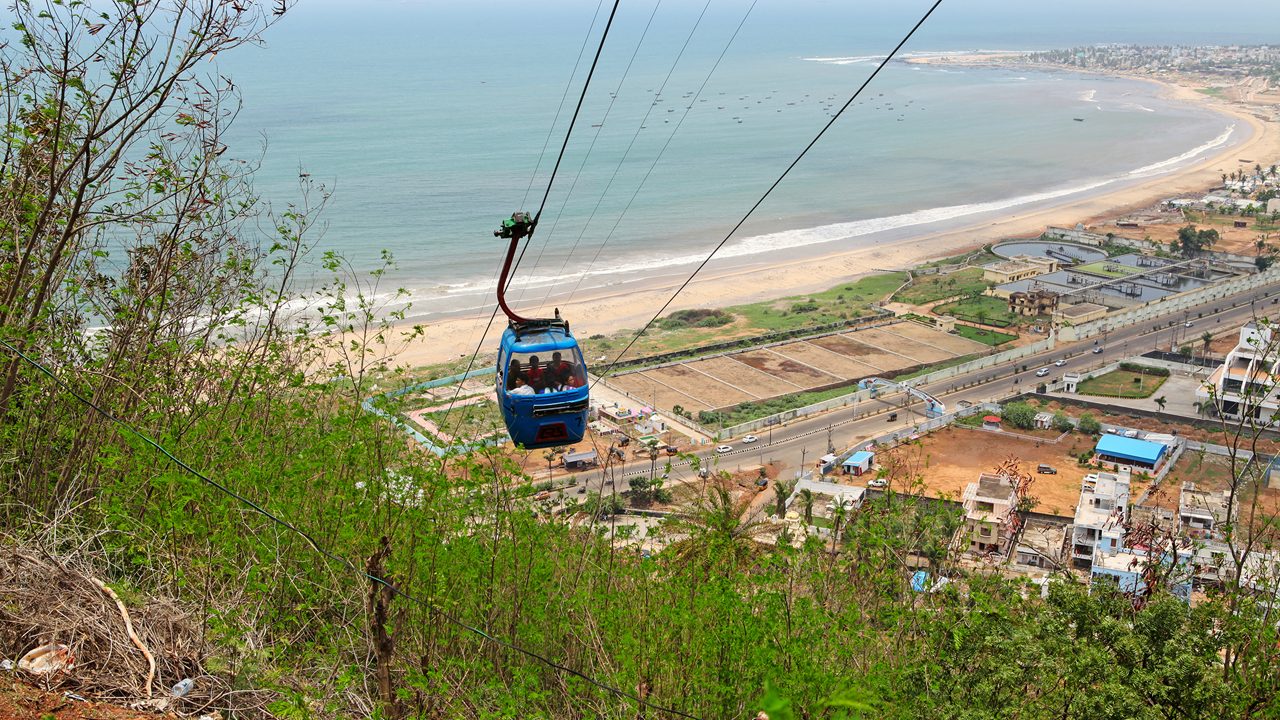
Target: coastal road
[798, 445]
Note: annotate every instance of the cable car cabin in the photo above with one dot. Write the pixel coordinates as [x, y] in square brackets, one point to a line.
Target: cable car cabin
[542, 384]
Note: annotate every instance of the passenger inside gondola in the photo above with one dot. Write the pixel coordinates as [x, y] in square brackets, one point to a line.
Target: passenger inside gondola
[558, 375]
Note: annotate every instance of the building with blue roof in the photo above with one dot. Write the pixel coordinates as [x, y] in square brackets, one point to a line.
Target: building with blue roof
[1131, 452]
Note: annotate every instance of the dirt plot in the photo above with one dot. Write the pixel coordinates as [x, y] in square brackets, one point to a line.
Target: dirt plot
[640, 386]
[916, 353]
[866, 352]
[786, 368]
[826, 360]
[730, 370]
[946, 341]
[847, 346]
[954, 457]
[685, 379]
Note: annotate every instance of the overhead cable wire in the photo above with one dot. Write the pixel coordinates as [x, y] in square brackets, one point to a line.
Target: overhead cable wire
[599, 128]
[320, 550]
[550, 181]
[769, 191]
[662, 151]
[563, 96]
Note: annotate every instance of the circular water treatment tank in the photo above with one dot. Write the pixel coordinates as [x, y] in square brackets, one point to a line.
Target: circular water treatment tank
[1064, 252]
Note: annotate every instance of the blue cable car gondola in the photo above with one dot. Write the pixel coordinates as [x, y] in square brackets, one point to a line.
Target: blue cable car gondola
[541, 378]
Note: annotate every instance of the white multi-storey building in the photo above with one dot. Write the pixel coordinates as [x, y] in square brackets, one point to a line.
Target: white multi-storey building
[1245, 384]
[1100, 516]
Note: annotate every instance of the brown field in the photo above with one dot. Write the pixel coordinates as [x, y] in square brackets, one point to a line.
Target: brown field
[874, 355]
[662, 396]
[953, 457]
[684, 379]
[786, 368]
[952, 343]
[792, 367]
[912, 350]
[849, 347]
[742, 375]
[826, 360]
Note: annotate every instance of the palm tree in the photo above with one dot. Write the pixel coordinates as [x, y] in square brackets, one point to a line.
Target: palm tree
[719, 531]
[1160, 401]
[1271, 171]
[1206, 338]
[781, 490]
[1257, 169]
[806, 498]
[1224, 179]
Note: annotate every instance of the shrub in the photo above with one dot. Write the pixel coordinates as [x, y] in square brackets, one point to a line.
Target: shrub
[1019, 415]
[1061, 422]
[1145, 369]
[804, 307]
[1089, 425]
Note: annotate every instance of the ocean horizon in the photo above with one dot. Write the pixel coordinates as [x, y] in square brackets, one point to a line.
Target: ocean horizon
[429, 139]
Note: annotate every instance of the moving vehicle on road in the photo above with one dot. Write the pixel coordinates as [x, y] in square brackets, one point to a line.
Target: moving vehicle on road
[722, 449]
[1097, 350]
[1042, 372]
[749, 439]
[1059, 362]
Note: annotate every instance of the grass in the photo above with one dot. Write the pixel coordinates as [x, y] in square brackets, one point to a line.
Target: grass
[1121, 383]
[996, 311]
[746, 412]
[930, 288]
[842, 302]
[1107, 269]
[470, 421]
[986, 337]
[1212, 91]
[937, 366]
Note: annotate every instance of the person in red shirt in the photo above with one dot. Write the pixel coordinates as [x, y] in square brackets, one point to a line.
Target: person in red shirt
[534, 373]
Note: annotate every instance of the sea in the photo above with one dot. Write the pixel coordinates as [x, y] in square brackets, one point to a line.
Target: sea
[431, 121]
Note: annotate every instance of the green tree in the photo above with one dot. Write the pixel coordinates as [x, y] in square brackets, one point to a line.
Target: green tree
[1160, 401]
[1019, 415]
[1061, 422]
[806, 500]
[1088, 424]
[1193, 242]
[781, 491]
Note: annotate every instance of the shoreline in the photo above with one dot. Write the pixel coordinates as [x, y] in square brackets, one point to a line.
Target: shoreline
[613, 309]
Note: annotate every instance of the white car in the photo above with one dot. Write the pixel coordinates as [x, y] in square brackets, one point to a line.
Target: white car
[722, 449]
[750, 439]
[1042, 372]
[1059, 363]
[877, 483]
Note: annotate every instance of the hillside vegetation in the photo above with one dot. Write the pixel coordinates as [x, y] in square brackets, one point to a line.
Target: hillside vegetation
[140, 273]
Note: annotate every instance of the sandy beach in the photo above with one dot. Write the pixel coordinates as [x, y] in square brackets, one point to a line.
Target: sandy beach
[607, 312]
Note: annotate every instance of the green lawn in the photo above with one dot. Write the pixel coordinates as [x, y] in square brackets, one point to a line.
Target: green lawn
[470, 421]
[988, 337]
[929, 288]
[1107, 269]
[1121, 383]
[843, 302]
[994, 311]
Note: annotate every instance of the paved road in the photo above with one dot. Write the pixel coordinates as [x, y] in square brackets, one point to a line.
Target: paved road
[800, 443]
